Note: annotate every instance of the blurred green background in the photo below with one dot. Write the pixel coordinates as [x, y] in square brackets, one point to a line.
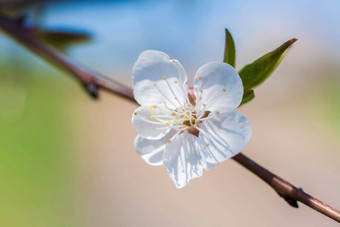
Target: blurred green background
[68, 160]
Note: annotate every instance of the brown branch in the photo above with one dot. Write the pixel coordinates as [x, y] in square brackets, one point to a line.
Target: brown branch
[92, 82]
[29, 37]
[286, 190]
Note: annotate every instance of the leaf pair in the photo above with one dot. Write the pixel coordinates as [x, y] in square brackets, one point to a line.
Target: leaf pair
[258, 71]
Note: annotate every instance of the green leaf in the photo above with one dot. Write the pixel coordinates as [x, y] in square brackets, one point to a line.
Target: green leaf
[248, 95]
[63, 39]
[229, 52]
[255, 73]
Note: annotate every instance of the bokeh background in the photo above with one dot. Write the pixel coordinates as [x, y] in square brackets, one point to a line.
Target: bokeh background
[68, 160]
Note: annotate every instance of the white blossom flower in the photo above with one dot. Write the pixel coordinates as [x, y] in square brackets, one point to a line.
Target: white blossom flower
[187, 129]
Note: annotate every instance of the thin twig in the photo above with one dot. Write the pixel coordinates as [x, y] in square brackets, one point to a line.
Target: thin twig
[92, 82]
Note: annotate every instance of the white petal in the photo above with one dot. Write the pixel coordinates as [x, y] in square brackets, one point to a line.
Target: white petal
[182, 159]
[148, 126]
[218, 85]
[157, 78]
[208, 166]
[152, 150]
[224, 136]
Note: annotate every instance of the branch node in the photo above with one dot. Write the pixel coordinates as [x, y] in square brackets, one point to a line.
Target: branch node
[91, 88]
[291, 202]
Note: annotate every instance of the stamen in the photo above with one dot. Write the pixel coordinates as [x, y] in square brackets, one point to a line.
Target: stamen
[181, 80]
[159, 90]
[200, 78]
[164, 77]
[155, 116]
[172, 92]
[224, 90]
[135, 113]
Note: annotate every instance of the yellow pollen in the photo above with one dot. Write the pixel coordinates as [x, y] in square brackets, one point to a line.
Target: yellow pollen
[170, 109]
[172, 114]
[135, 113]
[176, 81]
[173, 61]
[207, 144]
[176, 98]
[149, 118]
[224, 90]
[169, 141]
[217, 113]
[154, 85]
[188, 112]
[200, 78]
[164, 77]
[181, 116]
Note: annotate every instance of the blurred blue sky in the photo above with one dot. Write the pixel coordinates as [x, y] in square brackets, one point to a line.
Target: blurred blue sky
[193, 31]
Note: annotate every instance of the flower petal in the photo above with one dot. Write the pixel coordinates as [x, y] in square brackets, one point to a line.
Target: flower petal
[158, 79]
[218, 85]
[148, 126]
[152, 150]
[224, 136]
[182, 159]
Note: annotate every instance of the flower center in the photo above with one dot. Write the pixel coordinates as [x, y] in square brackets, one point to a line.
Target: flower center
[186, 114]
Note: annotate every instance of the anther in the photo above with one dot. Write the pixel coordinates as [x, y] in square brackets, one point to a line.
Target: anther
[200, 78]
[135, 113]
[217, 112]
[149, 118]
[153, 127]
[164, 77]
[154, 85]
[173, 61]
[169, 141]
[224, 90]
[176, 81]
[207, 144]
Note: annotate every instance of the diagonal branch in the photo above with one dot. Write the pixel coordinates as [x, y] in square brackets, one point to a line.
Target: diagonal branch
[92, 82]
[28, 37]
